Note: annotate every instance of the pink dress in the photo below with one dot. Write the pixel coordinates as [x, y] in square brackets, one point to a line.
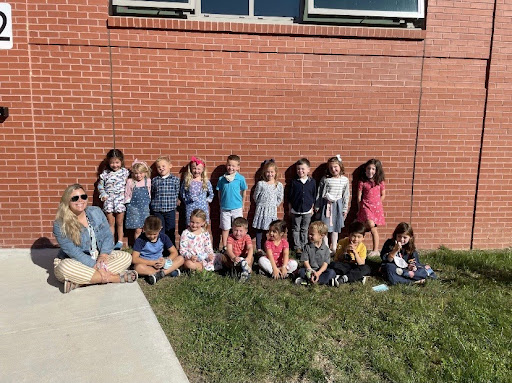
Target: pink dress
[371, 204]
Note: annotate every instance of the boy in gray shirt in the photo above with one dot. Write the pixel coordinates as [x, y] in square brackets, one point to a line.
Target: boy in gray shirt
[316, 257]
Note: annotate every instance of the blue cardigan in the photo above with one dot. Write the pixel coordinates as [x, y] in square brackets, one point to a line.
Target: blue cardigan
[302, 196]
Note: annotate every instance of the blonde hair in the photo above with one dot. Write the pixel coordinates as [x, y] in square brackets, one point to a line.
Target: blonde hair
[140, 167]
[69, 225]
[189, 176]
[199, 213]
[163, 158]
[320, 227]
[266, 165]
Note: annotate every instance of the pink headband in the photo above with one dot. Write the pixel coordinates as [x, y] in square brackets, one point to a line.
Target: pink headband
[139, 162]
[197, 161]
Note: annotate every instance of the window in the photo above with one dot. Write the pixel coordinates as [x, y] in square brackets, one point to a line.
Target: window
[378, 8]
[281, 11]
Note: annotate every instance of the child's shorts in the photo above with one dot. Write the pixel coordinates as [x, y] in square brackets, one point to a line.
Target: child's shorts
[227, 217]
[114, 204]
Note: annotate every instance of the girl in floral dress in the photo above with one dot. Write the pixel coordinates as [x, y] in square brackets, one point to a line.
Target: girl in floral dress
[196, 191]
[268, 195]
[371, 193]
[196, 245]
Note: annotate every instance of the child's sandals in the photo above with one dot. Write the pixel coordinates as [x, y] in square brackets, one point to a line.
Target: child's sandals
[129, 276]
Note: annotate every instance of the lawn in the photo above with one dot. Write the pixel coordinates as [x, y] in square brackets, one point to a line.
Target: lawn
[455, 329]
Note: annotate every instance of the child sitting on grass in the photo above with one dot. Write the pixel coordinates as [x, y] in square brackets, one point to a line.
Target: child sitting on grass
[350, 257]
[400, 260]
[316, 256]
[239, 252]
[196, 244]
[148, 252]
[277, 261]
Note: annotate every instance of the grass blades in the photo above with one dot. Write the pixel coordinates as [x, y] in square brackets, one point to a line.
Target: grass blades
[455, 329]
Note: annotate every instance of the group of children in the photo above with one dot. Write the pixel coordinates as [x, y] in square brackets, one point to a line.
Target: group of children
[150, 206]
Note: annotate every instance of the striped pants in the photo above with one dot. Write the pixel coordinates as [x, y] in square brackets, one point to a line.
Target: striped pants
[76, 272]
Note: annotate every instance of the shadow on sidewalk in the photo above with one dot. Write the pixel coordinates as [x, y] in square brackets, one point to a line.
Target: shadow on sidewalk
[42, 254]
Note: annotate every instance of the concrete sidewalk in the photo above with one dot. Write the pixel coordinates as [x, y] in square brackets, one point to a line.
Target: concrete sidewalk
[93, 334]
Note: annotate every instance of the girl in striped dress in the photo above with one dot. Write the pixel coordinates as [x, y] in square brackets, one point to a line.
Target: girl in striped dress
[332, 199]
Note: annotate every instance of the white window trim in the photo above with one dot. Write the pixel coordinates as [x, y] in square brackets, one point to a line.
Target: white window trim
[312, 10]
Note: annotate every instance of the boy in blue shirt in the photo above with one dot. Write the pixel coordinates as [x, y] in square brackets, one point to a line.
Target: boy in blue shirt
[148, 252]
[232, 188]
[164, 196]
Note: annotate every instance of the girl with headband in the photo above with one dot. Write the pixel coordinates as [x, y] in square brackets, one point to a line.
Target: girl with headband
[196, 191]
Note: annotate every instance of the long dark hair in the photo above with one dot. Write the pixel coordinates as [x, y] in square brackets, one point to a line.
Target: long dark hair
[379, 172]
[405, 228]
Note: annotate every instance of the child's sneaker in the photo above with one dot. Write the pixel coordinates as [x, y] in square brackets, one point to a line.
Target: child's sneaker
[244, 266]
[339, 279]
[154, 278]
[364, 280]
[118, 245]
[244, 276]
[301, 281]
[175, 273]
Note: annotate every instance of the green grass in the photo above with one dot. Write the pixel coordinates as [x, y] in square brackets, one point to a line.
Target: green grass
[455, 329]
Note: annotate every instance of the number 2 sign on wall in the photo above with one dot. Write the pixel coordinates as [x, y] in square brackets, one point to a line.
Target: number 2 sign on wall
[5, 26]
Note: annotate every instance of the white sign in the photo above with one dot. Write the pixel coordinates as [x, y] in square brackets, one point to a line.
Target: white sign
[5, 26]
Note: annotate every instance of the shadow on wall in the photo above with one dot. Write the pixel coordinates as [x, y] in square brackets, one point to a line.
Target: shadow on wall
[42, 254]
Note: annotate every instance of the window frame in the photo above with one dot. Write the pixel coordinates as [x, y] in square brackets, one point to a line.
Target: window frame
[312, 10]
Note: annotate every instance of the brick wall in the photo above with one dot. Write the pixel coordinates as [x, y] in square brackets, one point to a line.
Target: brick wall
[414, 99]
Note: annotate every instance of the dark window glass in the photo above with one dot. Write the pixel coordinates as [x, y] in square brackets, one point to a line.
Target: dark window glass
[372, 5]
[282, 8]
[225, 7]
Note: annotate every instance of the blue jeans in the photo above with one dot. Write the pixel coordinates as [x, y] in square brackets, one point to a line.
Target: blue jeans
[325, 277]
[389, 271]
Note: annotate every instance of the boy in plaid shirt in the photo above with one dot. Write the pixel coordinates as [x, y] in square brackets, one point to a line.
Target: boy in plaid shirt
[164, 196]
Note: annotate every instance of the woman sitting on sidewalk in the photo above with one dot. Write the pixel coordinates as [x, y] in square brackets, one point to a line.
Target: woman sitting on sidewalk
[86, 256]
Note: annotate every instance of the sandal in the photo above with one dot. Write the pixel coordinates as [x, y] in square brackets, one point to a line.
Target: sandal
[129, 276]
[68, 286]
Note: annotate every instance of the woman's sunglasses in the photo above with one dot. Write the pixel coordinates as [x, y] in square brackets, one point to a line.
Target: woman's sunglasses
[76, 197]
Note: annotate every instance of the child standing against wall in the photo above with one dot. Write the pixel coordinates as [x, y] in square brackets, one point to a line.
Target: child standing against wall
[332, 199]
[111, 187]
[232, 189]
[371, 193]
[137, 197]
[268, 195]
[302, 201]
[164, 196]
[196, 191]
